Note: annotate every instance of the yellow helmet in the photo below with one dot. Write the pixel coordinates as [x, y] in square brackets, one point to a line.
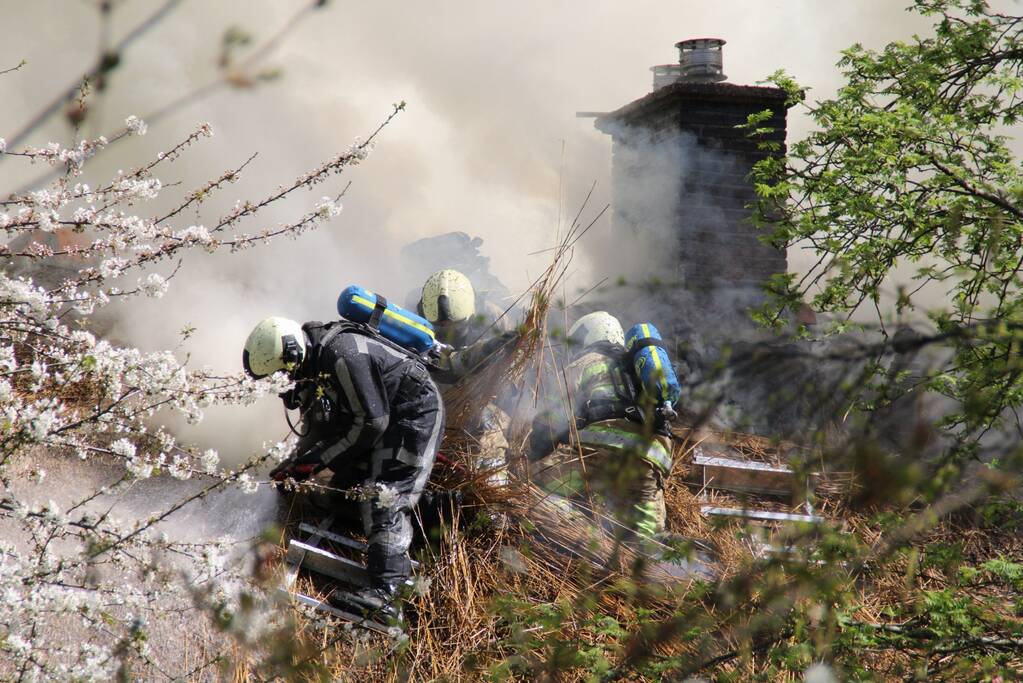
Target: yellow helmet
[274, 344]
[448, 296]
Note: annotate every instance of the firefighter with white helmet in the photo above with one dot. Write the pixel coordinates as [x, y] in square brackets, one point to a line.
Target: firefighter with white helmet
[474, 329]
[448, 299]
[274, 344]
[595, 328]
[371, 415]
[623, 462]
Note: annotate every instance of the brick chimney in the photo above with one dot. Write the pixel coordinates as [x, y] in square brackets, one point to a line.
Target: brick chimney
[679, 176]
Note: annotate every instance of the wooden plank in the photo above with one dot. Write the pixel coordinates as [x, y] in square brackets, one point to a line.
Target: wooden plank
[316, 535]
[760, 515]
[327, 608]
[742, 476]
[328, 564]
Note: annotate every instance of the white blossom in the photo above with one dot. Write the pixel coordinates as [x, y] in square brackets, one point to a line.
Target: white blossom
[17, 645]
[327, 209]
[210, 461]
[111, 268]
[66, 392]
[247, 484]
[154, 285]
[83, 337]
[47, 198]
[135, 125]
[141, 468]
[41, 423]
[138, 188]
[386, 496]
[123, 448]
[8, 361]
[166, 440]
[194, 233]
[280, 451]
[51, 510]
[178, 467]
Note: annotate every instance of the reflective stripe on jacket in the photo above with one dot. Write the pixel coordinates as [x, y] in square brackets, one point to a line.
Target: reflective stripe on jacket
[620, 436]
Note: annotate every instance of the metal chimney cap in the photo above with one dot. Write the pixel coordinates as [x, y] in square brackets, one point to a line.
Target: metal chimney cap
[694, 43]
[666, 74]
[701, 60]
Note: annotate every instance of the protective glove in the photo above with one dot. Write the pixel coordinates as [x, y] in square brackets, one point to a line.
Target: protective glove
[497, 342]
[667, 412]
[300, 468]
[664, 415]
[439, 350]
[541, 443]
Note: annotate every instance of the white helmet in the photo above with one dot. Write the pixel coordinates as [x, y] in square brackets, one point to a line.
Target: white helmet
[597, 327]
[448, 296]
[274, 344]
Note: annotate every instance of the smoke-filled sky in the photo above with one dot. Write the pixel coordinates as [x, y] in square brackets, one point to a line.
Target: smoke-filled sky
[489, 143]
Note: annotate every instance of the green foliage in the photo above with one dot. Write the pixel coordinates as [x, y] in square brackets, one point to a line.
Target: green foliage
[1005, 571]
[910, 174]
[556, 637]
[1001, 513]
[910, 170]
[943, 557]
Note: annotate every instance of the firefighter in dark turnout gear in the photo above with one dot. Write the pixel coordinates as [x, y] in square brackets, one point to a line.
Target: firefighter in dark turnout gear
[473, 330]
[372, 415]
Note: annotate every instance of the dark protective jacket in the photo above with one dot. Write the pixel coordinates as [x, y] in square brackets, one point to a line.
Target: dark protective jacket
[472, 342]
[489, 320]
[373, 412]
[358, 394]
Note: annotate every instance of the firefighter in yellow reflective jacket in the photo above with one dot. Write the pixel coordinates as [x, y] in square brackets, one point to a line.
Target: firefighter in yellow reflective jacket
[598, 449]
[474, 330]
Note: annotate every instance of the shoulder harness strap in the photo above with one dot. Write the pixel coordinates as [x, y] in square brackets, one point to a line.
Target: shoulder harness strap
[378, 313]
[620, 370]
[641, 344]
[368, 330]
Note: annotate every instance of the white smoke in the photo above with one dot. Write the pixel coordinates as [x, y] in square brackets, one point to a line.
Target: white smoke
[489, 144]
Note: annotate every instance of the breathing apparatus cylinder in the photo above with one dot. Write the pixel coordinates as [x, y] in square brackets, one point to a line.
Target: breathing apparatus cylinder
[397, 324]
[651, 364]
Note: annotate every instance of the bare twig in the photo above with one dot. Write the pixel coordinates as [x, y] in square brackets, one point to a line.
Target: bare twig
[102, 64]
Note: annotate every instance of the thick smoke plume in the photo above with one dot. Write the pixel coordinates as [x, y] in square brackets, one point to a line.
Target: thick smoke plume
[489, 144]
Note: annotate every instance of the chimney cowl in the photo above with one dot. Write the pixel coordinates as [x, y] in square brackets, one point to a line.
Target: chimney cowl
[700, 60]
[666, 74]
